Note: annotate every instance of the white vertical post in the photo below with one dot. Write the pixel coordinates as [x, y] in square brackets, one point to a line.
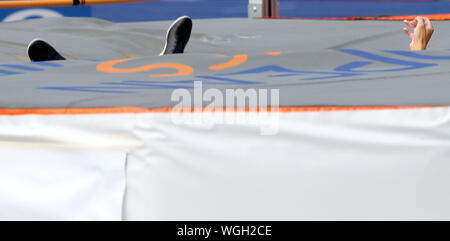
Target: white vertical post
[263, 8]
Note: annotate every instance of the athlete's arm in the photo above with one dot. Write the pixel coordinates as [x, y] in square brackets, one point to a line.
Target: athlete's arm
[423, 30]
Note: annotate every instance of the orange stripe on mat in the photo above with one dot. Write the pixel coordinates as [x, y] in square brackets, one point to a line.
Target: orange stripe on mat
[434, 17]
[136, 110]
[236, 61]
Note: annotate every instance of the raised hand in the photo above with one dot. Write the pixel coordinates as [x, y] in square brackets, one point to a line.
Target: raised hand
[423, 30]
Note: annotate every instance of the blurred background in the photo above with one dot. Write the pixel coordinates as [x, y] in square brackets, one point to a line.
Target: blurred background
[171, 9]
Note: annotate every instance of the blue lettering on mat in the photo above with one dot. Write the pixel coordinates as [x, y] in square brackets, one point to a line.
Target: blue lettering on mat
[351, 69]
[417, 55]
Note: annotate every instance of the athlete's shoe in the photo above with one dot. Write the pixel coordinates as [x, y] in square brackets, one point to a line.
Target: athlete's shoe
[178, 36]
[39, 50]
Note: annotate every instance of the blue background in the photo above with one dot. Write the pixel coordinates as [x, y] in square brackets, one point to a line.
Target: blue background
[171, 9]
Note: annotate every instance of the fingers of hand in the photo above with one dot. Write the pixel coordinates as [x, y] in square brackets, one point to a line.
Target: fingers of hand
[420, 22]
[428, 24]
[409, 33]
[411, 24]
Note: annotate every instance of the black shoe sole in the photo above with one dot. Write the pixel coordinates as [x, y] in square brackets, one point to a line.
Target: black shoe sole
[178, 36]
[39, 50]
